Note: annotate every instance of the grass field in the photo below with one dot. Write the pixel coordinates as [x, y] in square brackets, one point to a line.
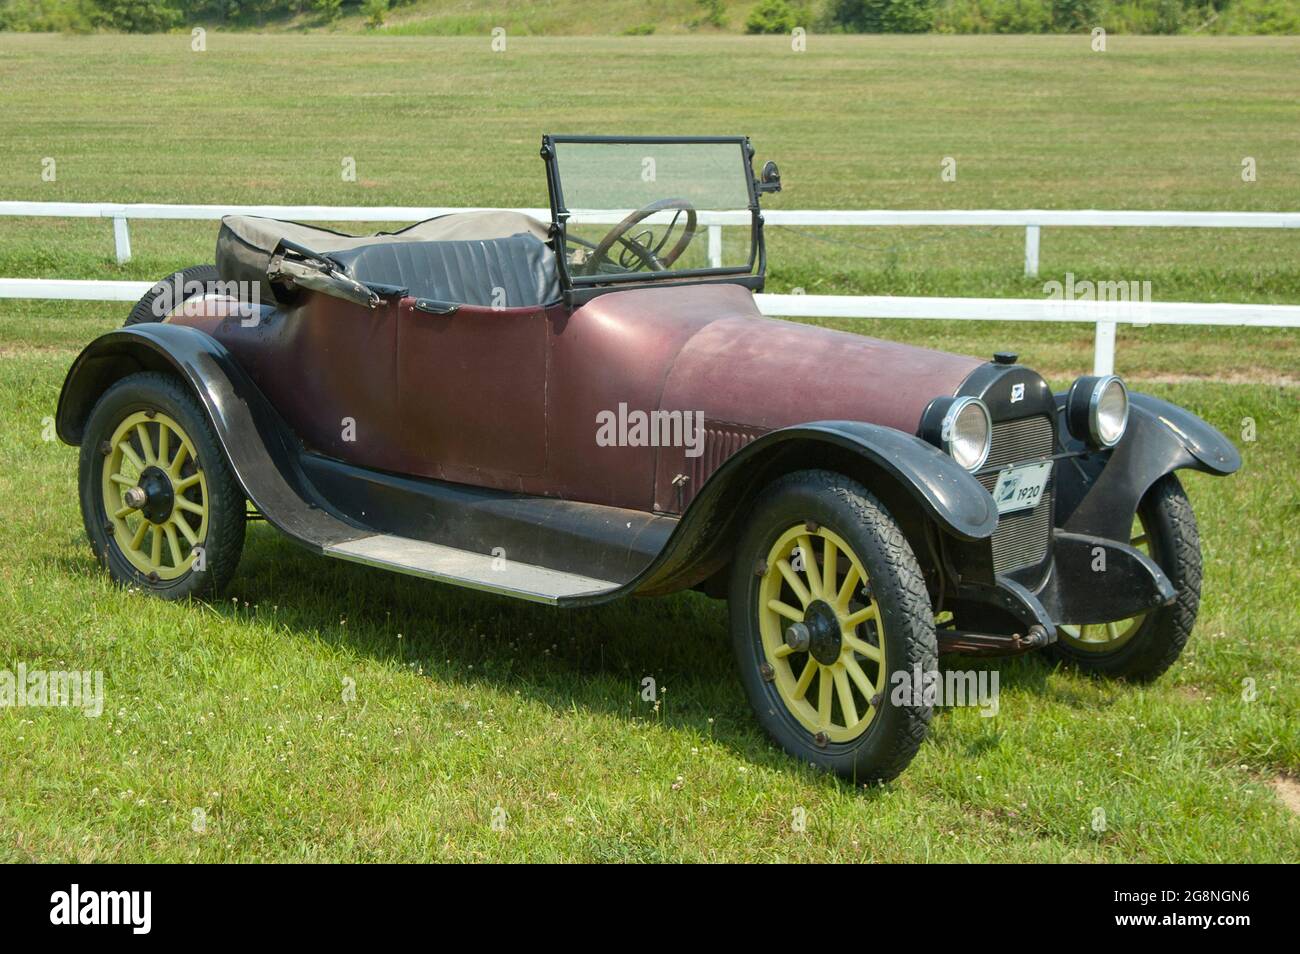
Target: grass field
[466, 703]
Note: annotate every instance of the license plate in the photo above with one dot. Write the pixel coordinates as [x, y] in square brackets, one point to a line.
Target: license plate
[1021, 488]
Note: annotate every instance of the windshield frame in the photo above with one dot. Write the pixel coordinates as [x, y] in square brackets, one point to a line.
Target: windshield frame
[578, 288]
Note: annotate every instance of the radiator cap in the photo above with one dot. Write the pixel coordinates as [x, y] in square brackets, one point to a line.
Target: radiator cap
[1005, 357]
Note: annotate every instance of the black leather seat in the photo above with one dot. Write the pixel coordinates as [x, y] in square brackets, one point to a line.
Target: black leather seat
[514, 272]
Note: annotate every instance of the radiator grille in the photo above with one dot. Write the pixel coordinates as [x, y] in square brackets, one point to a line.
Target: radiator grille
[1021, 539]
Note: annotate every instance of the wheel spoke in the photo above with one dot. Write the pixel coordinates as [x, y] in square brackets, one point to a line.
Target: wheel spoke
[190, 536]
[124, 513]
[146, 445]
[851, 580]
[155, 547]
[782, 651]
[845, 692]
[137, 541]
[164, 438]
[810, 565]
[830, 569]
[1112, 630]
[854, 620]
[805, 680]
[786, 610]
[129, 453]
[796, 584]
[1139, 541]
[858, 676]
[173, 544]
[122, 479]
[185, 483]
[863, 647]
[182, 452]
[824, 697]
[189, 506]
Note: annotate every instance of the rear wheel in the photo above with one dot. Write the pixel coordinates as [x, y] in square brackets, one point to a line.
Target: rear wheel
[176, 288]
[160, 505]
[826, 601]
[1143, 647]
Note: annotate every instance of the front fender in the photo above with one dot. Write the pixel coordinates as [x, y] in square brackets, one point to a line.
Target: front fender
[941, 489]
[1098, 493]
[1213, 453]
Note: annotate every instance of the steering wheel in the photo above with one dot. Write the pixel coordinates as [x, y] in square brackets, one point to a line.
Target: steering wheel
[638, 248]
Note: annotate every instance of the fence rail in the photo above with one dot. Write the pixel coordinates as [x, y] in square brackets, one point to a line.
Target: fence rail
[1106, 316]
[1033, 221]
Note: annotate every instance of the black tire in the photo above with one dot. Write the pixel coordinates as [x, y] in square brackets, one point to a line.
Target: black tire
[196, 276]
[1175, 545]
[824, 499]
[154, 393]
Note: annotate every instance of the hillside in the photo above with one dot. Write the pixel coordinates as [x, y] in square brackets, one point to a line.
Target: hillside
[645, 17]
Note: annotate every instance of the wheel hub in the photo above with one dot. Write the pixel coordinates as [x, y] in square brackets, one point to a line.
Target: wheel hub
[824, 640]
[159, 498]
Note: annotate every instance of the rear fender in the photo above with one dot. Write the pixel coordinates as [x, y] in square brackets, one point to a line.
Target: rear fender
[262, 452]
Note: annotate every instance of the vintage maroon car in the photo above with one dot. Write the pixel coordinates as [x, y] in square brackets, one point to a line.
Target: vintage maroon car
[588, 408]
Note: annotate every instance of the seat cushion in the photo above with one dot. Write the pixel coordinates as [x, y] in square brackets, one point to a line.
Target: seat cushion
[514, 272]
[464, 257]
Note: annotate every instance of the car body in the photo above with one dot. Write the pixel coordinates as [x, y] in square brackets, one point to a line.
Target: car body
[567, 413]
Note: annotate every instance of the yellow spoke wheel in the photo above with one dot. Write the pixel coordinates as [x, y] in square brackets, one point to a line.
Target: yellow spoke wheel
[822, 633]
[155, 495]
[1107, 637]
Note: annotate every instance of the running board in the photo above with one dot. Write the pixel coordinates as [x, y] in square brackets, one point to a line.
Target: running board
[479, 571]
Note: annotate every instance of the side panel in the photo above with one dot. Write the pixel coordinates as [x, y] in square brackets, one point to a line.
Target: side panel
[617, 350]
[326, 365]
[471, 389]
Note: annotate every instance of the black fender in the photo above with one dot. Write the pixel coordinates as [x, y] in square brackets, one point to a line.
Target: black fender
[942, 491]
[262, 452]
[1098, 493]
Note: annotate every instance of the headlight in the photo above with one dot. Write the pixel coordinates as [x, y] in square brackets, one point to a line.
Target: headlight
[966, 432]
[1096, 410]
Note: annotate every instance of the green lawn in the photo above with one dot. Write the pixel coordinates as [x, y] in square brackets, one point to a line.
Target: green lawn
[467, 703]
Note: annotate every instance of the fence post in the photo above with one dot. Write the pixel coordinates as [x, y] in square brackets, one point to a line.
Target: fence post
[1103, 356]
[715, 246]
[1031, 251]
[121, 239]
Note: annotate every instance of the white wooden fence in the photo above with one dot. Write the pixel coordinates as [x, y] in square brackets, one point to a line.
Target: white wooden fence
[1104, 315]
[1033, 221]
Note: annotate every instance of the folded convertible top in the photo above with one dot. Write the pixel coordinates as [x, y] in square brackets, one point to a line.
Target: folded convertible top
[461, 257]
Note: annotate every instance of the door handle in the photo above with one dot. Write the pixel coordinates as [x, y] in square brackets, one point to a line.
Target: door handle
[433, 307]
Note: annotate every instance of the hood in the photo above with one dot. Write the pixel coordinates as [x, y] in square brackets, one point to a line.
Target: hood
[764, 373]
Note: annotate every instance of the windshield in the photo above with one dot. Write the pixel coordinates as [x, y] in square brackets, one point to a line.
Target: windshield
[639, 209]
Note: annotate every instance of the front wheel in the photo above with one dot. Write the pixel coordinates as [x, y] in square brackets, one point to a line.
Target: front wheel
[826, 602]
[1143, 647]
[161, 507]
